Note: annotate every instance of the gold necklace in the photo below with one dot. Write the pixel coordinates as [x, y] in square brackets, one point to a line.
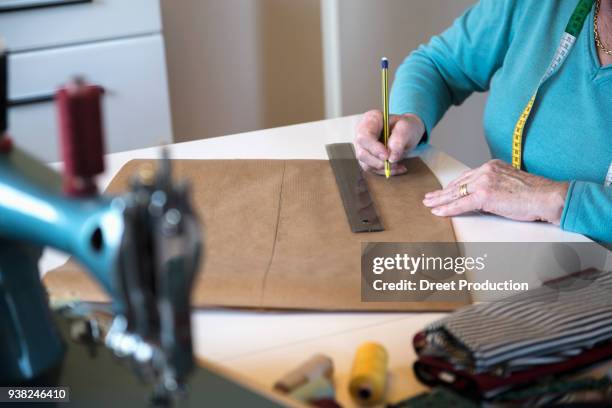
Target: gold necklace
[600, 45]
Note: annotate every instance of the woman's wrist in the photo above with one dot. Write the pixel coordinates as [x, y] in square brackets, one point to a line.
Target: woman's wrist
[554, 202]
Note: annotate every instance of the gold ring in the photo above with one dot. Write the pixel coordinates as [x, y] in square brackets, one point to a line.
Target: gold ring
[463, 191]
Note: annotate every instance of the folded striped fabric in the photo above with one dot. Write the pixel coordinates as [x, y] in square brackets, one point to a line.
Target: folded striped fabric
[542, 326]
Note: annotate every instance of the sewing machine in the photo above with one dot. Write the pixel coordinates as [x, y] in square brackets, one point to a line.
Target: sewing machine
[143, 247]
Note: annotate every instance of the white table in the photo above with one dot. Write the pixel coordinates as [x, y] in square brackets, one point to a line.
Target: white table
[264, 345]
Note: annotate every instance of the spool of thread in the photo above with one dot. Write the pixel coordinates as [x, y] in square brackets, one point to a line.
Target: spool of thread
[315, 367]
[368, 381]
[6, 144]
[318, 389]
[80, 117]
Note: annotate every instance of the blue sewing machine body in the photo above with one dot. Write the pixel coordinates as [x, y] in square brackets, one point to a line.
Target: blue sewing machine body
[34, 213]
[142, 246]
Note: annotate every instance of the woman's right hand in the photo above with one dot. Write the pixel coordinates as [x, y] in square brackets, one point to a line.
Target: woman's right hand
[406, 133]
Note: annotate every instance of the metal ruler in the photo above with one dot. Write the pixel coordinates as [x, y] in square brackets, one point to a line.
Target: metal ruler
[356, 198]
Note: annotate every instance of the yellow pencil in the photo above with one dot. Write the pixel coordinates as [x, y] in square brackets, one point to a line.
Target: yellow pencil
[385, 96]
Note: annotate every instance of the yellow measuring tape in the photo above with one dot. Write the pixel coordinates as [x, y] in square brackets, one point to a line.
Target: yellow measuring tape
[573, 29]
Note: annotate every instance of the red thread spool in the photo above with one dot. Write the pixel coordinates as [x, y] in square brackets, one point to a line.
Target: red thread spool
[6, 144]
[81, 136]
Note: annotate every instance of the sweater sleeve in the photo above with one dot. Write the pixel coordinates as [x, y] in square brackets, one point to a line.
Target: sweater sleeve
[588, 210]
[454, 64]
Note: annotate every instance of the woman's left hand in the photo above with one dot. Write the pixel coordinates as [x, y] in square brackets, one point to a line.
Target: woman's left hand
[498, 188]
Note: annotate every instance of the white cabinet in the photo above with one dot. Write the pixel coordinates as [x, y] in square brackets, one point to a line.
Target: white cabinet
[34, 24]
[136, 111]
[116, 44]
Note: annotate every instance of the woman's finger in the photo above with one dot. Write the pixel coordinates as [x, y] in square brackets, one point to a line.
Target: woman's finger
[399, 140]
[365, 167]
[463, 178]
[368, 133]
[452, 191]
[371, 145]
[468, 177]
[453, 185]
[366, 157]
[461, 206]
[396, 170]
[492, 166]
[442, 197]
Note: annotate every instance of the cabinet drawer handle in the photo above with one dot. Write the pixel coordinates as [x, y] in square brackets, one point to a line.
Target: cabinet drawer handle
[31, 99]
[44, 97]
[10, 7]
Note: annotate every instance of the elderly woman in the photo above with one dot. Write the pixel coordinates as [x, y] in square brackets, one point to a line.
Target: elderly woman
[552, 152]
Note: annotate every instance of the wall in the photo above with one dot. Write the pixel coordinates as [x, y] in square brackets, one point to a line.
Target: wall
[368, 30]
[240, 65]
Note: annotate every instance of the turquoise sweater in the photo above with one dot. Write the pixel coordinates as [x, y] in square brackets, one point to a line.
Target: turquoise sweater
[504, 47]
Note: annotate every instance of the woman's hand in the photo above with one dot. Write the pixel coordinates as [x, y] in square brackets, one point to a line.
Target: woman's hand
[406, 133]
[498, 188]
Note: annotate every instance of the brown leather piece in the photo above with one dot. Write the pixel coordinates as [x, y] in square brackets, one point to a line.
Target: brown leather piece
[276, 235]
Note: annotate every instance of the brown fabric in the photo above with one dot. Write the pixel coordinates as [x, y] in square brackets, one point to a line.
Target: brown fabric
[276, 235]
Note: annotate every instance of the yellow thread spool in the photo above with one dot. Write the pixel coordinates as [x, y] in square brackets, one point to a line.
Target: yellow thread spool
[368, 381]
